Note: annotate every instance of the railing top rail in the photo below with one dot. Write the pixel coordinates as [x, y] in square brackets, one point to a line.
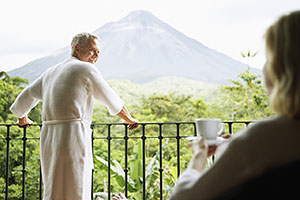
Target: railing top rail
[142, 123]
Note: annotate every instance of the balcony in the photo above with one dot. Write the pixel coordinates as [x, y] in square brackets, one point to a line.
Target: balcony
[143, 164]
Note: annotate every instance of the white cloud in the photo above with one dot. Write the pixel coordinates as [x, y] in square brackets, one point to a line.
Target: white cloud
[15, 60]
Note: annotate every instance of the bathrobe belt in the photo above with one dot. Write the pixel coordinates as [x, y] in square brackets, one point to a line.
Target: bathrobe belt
[60, 121]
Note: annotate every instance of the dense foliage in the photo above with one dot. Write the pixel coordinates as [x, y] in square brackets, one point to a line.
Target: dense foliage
[244, 99]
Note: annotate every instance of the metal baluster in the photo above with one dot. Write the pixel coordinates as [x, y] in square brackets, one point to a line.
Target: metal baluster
[126, 160]
[178, 149]
[41, 177]
[160, 161]
[92, 184]
[230, 127]
[108, 158]
[40, 191]
[24, 163]
[144, 162]
[247, 123]
[7, 162]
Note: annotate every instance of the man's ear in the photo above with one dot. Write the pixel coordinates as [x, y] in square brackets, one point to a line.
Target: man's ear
[76, 48]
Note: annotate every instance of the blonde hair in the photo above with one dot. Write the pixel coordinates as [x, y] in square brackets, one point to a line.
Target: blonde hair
[283, 65]
[81, 39]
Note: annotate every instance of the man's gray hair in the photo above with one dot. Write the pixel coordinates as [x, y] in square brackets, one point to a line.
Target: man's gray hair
[80, 39]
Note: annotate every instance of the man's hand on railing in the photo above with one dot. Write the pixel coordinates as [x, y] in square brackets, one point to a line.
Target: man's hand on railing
[124, 114]
[133, 124]
[24, 122]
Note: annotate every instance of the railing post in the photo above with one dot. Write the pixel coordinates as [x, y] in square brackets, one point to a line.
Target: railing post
[41, 176]
[160, 161]
[144, 161]
[24, 163]
[178, 149]
[7, 162]
[126, 160]
[247, 123]
[108, 158]
[195, 130]
[230, 127]
[92, 184]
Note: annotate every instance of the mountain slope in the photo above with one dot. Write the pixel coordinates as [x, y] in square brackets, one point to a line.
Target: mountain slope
[132, 93]
[141, 48]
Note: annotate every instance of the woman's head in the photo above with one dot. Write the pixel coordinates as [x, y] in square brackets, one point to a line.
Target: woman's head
[283, 64]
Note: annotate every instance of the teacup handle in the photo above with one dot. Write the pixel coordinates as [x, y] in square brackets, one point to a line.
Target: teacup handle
[222, 129]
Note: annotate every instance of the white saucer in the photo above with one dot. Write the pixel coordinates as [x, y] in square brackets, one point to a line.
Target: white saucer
[217, 141]
[190, 138]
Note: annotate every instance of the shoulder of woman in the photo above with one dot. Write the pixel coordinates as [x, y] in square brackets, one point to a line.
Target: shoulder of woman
[272, 123]
[260, 130]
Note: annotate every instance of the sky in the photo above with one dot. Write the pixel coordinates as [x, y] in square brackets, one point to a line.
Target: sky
[32, 29]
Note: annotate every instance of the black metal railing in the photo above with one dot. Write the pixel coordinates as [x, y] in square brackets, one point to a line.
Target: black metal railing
[106, 135]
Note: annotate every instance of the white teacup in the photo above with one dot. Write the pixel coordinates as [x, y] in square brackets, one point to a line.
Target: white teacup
[210, 129]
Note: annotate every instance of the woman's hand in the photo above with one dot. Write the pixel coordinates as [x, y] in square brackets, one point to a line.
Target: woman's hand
[200, 151]
[212, 149]
[24, 122]
[119, 196]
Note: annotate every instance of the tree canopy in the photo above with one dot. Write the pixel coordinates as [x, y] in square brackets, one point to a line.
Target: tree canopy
[244, 99]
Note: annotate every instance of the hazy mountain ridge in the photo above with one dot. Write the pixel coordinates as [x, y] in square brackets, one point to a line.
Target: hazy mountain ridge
[142, 48]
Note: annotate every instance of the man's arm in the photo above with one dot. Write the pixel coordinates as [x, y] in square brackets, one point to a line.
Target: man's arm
[124, 114]
[25, 101]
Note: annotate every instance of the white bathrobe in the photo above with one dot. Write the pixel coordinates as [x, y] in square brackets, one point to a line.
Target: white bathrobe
[67, 91]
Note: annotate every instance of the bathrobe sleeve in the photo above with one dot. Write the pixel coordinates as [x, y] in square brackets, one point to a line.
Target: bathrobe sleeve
[27, 99]
[104, 93]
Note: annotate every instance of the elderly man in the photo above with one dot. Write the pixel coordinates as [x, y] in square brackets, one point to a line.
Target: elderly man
[67, 91]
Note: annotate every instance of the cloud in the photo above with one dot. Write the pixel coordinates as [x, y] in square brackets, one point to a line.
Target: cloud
[14, 43]
[229, 26]
[15, 60]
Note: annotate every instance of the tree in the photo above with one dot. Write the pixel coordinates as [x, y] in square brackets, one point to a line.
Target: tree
[171, 107]
[246, 99]
[10, 87]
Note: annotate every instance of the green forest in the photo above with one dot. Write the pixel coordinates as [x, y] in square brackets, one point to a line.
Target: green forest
[244, 99]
